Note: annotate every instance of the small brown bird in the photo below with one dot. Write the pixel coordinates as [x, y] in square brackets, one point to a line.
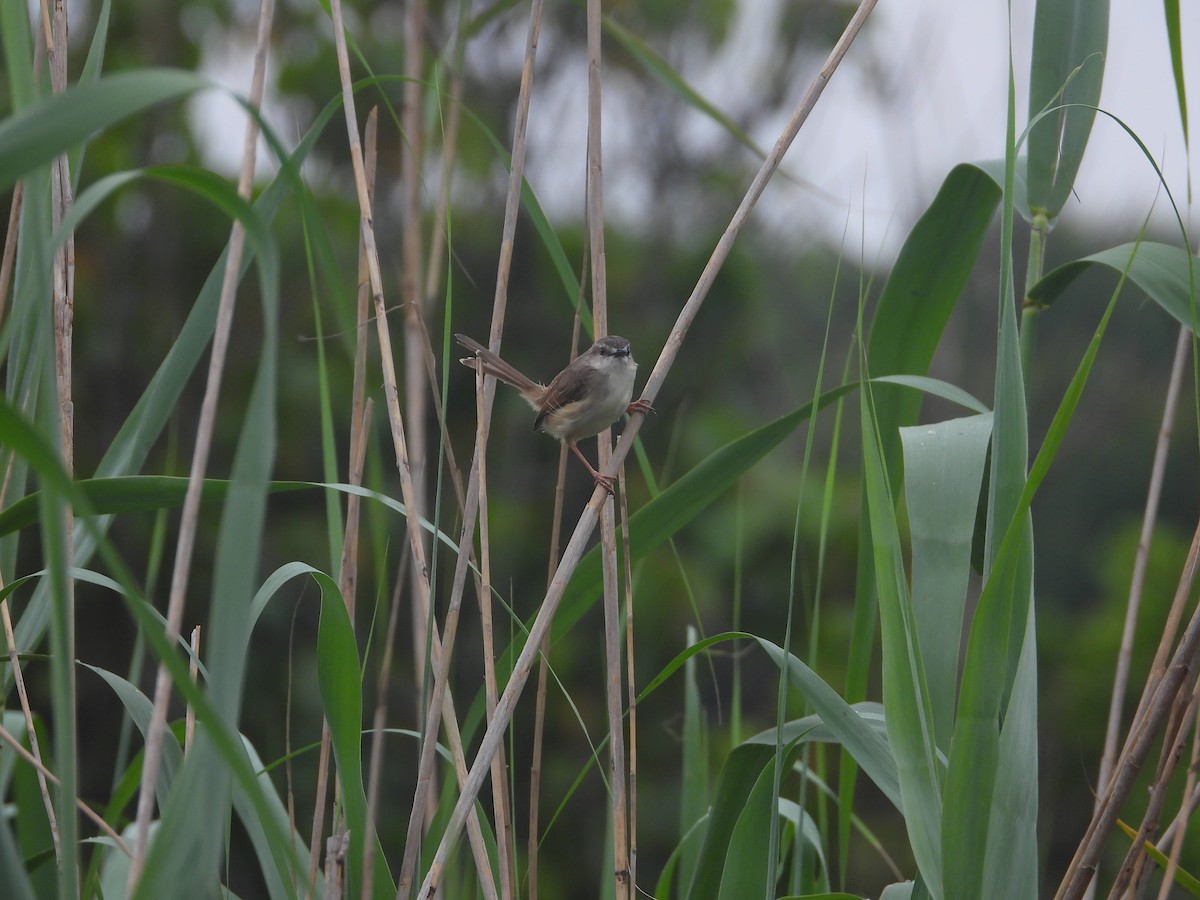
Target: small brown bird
[582, 400]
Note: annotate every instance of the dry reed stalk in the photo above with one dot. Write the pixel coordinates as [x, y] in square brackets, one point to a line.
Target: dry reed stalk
[1137, 581]
[631, 684]
[1133, 871]
[608, 543]
[1184, 814]
[588, 518]
[359, 413]
[411, 297]
[501, 808]
[189, 721]
[539, 705]
[1156, 707]
[152, 758]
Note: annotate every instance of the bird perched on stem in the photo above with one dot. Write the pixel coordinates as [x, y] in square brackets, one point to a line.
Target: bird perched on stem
[590, 394]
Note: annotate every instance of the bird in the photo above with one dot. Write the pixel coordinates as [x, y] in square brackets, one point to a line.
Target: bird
[591, 393]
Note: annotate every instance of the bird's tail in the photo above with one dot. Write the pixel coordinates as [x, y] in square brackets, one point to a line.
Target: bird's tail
[493, 365]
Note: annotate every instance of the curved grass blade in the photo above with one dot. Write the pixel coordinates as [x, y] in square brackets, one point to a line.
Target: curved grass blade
[906, 698]
[1175, 43]
[1070, 40]
[47, 128]
[1165, 273]
[944, 466]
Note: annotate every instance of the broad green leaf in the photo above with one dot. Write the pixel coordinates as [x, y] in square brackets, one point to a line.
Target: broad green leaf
[36, 134]
[138, 707]
[740, 773]
[1070, 40]
[862, 740]
[1169, 276]
[990, 661]
[14, 38]
[812, 728]
[910, 723]
[935, 387]
[943, 474]
[1011, 867]
[923, 288]
[746, 869]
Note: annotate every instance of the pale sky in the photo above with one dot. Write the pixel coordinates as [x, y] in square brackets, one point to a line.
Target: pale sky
[879, 161]
[875, 161]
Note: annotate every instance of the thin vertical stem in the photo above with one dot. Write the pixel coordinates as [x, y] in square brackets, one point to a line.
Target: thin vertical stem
[1137, 581]
[63, 300]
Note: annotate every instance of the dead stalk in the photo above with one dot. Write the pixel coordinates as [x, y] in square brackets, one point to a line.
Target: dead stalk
[1143, 735]
[500, 799]
[1175, 835]
[539, 709]
[63, 301]
[631, 685]
[612, 617]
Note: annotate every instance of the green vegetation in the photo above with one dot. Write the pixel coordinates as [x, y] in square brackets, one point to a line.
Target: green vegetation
[275, 625]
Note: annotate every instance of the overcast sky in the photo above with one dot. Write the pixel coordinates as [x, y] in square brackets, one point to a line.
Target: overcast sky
[949, 107]
[882, 159]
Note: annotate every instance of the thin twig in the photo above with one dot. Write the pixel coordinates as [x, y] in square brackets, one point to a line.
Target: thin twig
[1143, 734]
[587, 521]
[152, 757]
[631, 684]
[45, 773]
[14, 660]
[500, 798]
[1175, 835]
[1132, 873]
[1138, 579]
[539, 705]
[189, 722]
[608, 542]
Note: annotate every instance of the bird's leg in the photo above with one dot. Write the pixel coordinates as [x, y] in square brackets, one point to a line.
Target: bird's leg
[639, 405]
[604, 481]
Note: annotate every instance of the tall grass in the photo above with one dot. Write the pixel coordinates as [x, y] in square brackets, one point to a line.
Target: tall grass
[945, 596]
